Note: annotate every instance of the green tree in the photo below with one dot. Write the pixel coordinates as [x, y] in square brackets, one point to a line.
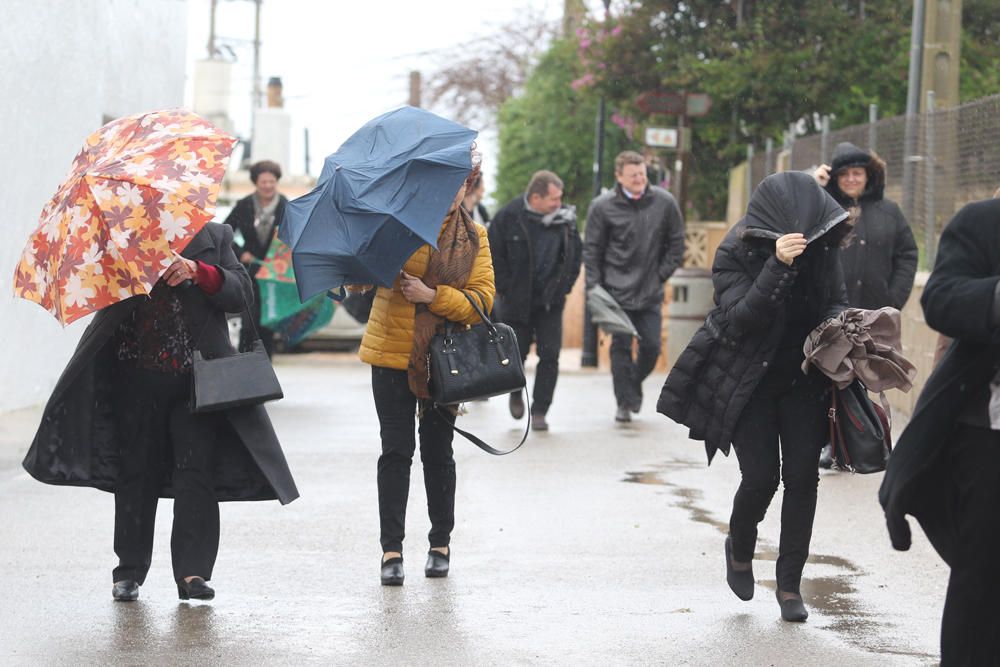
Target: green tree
[551, 126]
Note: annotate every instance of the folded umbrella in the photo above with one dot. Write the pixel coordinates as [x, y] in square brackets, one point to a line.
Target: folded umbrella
[140, 189]
[382, 195]
[607, 314]
[861, 344]
[280, 307]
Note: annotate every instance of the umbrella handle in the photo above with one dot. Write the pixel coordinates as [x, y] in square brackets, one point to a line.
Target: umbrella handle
[337, 296]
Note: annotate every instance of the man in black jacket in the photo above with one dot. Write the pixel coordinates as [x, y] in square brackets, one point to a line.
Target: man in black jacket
[634, 242]
[536, 258]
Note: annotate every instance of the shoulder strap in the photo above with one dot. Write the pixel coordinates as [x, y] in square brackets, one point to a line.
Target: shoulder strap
[486, 447]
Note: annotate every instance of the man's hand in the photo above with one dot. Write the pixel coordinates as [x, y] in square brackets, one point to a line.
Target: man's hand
[247, 258]
[181, 270]
[414, 289]
[789, 246]
[822, 174]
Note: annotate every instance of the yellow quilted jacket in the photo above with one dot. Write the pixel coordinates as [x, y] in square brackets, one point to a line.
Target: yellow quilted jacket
[388, 338]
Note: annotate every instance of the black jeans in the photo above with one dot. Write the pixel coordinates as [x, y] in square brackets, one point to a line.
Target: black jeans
[970, 627]
[789, 408]
[396, 406]
[545, 331]
[163, 441]
[627, 373]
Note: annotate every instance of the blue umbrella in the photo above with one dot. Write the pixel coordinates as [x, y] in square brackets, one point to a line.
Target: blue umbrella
[382, 195]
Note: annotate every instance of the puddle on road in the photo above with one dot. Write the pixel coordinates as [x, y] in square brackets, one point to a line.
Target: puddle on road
[833, 595]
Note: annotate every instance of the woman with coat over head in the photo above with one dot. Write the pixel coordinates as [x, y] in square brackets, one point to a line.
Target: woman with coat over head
[434, 286]
[119, 419]
[777, 276]
[945, 469]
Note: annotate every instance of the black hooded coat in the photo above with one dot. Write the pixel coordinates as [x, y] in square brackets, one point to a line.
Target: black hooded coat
[77, 442]
[881, 260]
[719, 370]
[958, 301]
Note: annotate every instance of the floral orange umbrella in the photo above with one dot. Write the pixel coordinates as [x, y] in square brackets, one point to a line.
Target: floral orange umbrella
[140, 189]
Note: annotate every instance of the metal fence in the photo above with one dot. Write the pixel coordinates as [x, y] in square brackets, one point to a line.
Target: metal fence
[936, 162]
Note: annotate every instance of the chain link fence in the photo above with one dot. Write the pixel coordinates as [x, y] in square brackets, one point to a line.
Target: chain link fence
[936, 162]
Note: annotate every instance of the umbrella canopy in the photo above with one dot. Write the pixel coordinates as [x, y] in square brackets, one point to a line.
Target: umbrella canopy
[861, 344]
[607, 314]
[280, 308]
[382, 195]
[140, 189]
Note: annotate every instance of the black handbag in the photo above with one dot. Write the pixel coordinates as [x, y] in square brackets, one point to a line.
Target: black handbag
[245, 378]
[470, 362]
[859, 430]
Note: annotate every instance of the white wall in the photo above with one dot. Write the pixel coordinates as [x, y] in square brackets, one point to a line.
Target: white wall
[64, 66]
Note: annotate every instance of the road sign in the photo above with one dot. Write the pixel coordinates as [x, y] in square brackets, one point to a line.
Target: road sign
[698, 104]
[662, 137]
[661, 101]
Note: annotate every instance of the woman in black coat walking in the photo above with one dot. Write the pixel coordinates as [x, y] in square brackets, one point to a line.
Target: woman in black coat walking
[777, 276]
[119, 419]
[945, 469]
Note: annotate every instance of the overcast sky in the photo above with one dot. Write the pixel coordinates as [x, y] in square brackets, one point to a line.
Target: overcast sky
[343, 62]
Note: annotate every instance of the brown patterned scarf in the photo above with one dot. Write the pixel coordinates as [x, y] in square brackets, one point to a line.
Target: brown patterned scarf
[451, 264]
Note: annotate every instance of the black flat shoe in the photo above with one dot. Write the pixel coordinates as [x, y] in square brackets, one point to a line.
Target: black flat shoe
[196, 589]
[392, 572]
[437, 564]
[793, 610]
[740, 581]
[125, 590]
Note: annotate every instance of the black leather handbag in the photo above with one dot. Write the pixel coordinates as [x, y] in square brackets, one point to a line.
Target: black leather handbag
[245, 378]
[472, 362]
[859, 430]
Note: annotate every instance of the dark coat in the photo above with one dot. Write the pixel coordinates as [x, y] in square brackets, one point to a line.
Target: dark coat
[958, 301]
[881, 260]
[241, 220]
[77, 441]
[719, 370]
[631, 247]
[514, 244]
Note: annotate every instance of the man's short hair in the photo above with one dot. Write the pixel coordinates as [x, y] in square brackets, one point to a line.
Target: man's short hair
[627, 157]
[265, 167]
[540, 182]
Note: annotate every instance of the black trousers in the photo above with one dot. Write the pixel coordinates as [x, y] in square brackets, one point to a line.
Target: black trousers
[161, 441]
[627, 373]
[787, 412]
[545, 331]
[396, 406]
[970, 627]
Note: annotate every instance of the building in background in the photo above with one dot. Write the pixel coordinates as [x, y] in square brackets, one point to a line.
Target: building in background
[68, 68]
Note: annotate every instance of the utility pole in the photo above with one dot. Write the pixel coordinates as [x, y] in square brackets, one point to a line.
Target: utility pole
[211, 28]
[415, 89]
[588, 355]
[257, 94]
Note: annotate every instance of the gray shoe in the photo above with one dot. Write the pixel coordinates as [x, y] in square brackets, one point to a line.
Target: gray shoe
[516, 406]
[538, 423]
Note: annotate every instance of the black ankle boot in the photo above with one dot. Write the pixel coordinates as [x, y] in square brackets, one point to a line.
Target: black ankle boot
[793, 609]
[740, 581]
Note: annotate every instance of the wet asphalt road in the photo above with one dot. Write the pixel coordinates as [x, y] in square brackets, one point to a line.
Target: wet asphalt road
[594, 544]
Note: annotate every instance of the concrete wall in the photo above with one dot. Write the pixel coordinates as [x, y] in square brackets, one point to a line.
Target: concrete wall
[66, 66]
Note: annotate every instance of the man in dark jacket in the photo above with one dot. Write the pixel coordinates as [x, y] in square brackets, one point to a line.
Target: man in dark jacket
[536, 259]
[945, 469]
[634, 242]
[880, 261]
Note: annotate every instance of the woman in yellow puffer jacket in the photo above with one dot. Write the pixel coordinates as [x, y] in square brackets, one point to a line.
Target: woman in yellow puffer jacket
[431, 288]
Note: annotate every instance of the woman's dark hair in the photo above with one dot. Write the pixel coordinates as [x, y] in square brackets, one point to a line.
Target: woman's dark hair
[264, 167]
